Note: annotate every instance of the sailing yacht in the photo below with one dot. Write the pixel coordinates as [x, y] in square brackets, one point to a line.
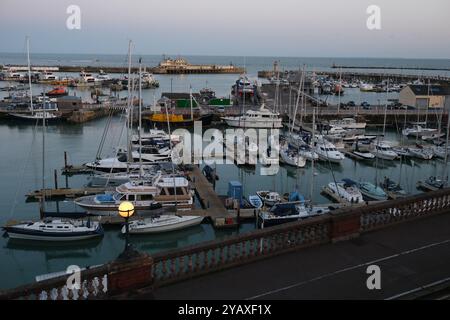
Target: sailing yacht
[55, 230]
[417, 131]
[261, 118]
[162, 223]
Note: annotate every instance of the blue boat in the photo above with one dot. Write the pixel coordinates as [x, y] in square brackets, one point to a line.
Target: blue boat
[255, 201]
[372, 192]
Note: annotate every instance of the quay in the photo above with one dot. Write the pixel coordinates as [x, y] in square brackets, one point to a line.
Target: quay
[324, 257]
[167, 66]
[334, 66]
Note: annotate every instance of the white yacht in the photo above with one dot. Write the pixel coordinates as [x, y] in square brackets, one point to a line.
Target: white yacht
[291, 157]
[55, 230]
[48, 76]
[328, 152]
[262, 118]
[382, 150]
[145, 196]
[347, 190]
[162, 223]
[102, 76]
[418, 131]
[87, 77]
[348, 123]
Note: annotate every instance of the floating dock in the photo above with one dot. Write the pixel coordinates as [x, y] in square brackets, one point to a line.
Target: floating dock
[65, 192]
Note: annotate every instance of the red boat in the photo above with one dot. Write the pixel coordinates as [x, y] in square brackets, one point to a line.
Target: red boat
[57, 92]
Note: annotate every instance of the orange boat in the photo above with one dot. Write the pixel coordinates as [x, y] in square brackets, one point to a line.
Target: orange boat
[57, 92]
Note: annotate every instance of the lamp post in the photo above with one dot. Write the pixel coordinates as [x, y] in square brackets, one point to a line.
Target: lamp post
[126, 210]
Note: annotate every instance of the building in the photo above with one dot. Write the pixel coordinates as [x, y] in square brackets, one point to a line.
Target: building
[425, 96]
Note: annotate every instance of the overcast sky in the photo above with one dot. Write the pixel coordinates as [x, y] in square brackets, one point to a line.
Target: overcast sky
[297, 28]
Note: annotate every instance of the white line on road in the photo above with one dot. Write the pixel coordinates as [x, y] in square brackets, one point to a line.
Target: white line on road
[298, 284]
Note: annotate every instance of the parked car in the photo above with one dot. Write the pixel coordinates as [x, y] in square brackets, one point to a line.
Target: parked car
[365, 105]
[351, 103]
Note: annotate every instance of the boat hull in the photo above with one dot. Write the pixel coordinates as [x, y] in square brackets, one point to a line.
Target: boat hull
[14, 233]
[194, 221]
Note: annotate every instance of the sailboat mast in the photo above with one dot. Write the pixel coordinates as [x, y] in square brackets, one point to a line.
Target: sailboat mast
[29, 75]
[446, 145]
[312, 158]
[385, 108]
[190, 98]
[140, 118]
[43, 153]
[129, 104]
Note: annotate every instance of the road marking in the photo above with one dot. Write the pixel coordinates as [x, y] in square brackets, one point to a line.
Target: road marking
[419, 288]
[298, 284]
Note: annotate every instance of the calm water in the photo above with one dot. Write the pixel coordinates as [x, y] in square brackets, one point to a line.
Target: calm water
[21, 171]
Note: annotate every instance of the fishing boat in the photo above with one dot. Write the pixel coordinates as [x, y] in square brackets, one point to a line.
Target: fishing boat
[347, 190]
[383, 150]
[243, 88]
[328, 152]
[161, 224]
[55, 230]
[255, 201]
[269, 198]
[261, 118]
[372, 192]
[393, 189]
[148, 81]
[57, 92]
[288, 212]
[290, 157]
[348, 124]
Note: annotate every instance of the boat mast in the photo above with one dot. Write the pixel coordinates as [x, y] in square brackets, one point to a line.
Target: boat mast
[339, 92]
[385, 108]
[129, 103]
[190, 98]
[312, 158]
[140, 119]
[446, 147]
[173, 165]
[297, 101]
[29, 74]
[43, 153]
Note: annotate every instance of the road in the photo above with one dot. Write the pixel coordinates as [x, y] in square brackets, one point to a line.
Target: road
[410, 255]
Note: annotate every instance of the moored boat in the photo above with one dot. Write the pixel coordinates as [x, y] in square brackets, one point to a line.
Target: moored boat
[162, 223]
[55, 230]
[372, 192]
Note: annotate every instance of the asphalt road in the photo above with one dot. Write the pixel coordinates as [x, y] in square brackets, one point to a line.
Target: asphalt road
[410, 255]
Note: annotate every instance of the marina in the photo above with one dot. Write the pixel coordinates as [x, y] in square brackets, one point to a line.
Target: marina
[330, 160]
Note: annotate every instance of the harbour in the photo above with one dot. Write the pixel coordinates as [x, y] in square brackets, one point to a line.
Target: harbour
[73, 144]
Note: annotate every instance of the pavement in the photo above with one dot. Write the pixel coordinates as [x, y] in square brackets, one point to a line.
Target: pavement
[410, 255]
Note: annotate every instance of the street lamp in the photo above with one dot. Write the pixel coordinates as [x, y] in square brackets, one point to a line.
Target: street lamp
[126, 210]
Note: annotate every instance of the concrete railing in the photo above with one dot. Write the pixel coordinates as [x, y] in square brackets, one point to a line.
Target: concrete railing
[142, 274]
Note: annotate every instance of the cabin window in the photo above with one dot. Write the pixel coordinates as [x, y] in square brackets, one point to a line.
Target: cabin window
[178, 190]
[131, 197]
[146, 197]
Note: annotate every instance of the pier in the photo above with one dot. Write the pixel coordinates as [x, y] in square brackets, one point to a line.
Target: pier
[310, 256]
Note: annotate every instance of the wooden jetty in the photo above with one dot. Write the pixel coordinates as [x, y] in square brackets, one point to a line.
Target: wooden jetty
[65, 192]
[209, 200]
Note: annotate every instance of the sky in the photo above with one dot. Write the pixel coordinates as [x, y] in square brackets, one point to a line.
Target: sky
[290, 28]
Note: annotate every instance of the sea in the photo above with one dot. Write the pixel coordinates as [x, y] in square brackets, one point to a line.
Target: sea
[21, 165]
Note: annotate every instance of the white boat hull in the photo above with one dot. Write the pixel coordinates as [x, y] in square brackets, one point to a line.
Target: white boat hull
[183, 223]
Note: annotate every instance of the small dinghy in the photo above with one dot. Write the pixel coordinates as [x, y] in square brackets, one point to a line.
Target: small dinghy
[255, 201]
[162, 223]
[55, 230]
[269, 198]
